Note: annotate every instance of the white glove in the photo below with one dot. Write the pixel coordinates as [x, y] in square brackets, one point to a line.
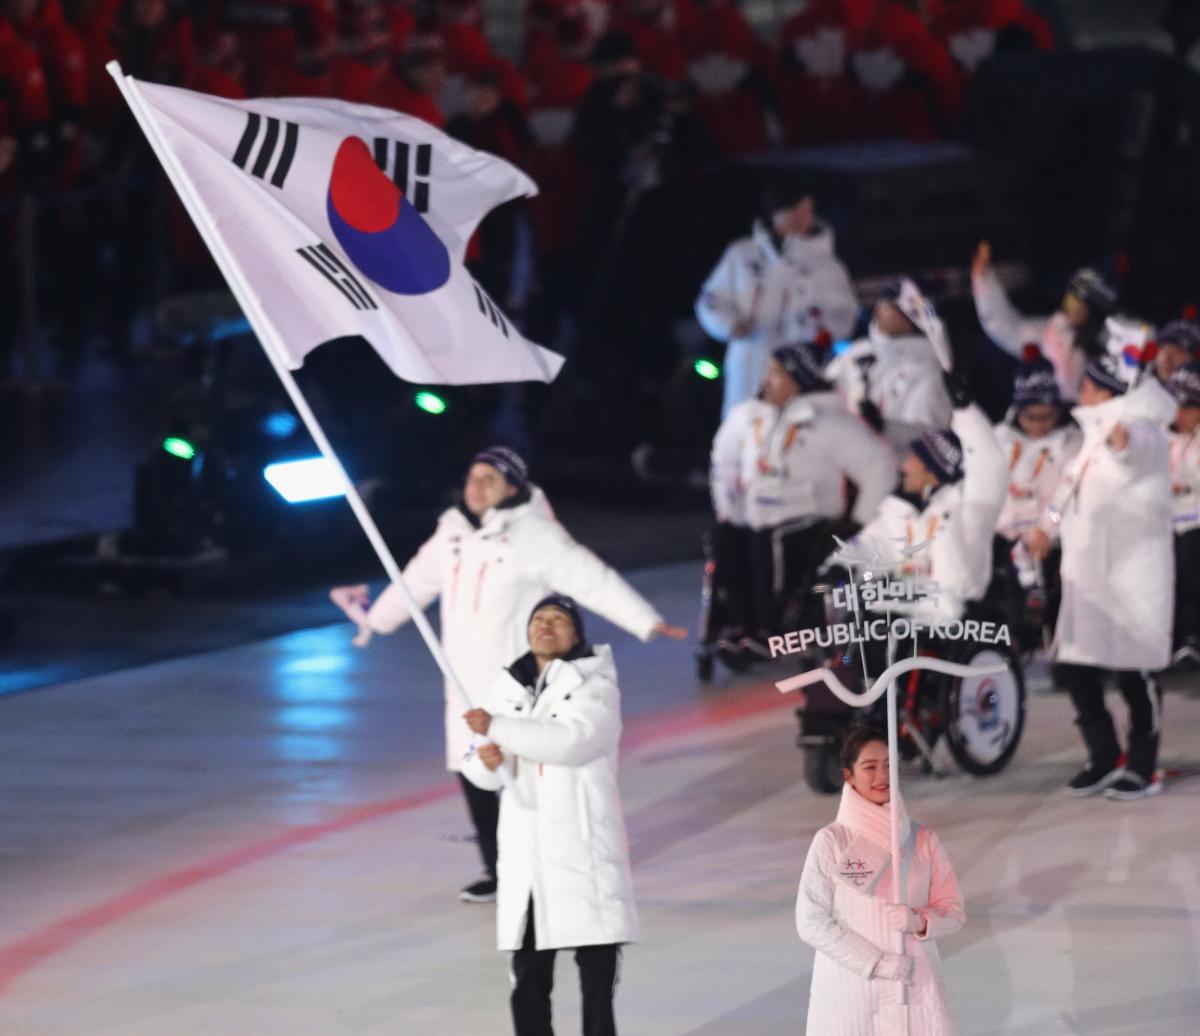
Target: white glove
[900, 918]
[895, 967]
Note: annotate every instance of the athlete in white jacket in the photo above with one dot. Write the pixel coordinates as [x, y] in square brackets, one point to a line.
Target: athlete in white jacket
[780, 464]
[845, 911]
[555, 715]
[1112, 513]
[893, 377]
[487, 562]
[781, 284]
[1037, 446]
[938, 525]
[1067, 337]
[1184, 386]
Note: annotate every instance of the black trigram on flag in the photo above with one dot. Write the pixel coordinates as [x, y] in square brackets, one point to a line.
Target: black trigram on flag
[408, 167]
[267, 148]
[489, 309]
[322, 259]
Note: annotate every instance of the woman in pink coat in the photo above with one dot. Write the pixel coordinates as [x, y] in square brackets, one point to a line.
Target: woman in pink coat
[845, 910]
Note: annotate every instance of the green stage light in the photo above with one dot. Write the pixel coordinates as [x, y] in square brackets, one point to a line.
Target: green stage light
[707, 369]
[431, 403]
[180, 448]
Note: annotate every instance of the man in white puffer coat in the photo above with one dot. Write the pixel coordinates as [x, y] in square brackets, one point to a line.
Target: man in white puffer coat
[1113, 515]
[487, 562]
[893, 377]
[780, 464]
[565, 882]
[781, 284]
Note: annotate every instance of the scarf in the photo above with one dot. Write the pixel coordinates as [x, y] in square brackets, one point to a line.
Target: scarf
[867, 857]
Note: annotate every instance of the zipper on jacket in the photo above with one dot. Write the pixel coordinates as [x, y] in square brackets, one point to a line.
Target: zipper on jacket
[454, 582]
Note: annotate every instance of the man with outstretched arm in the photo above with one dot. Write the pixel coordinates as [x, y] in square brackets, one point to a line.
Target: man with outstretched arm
[492, 556]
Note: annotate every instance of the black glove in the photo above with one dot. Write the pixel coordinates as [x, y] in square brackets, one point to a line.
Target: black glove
[870, 413]
[957, 389]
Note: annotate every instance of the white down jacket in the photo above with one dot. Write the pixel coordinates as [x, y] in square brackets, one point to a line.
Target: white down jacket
[901, 376]
[1114, 511]
[488, 579]
[562, 839]
[1035, 468]
[958, 520]
[844, 888]
[785, 296]
[775, 464]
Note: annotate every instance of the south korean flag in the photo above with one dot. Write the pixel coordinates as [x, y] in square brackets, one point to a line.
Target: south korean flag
[344, 219]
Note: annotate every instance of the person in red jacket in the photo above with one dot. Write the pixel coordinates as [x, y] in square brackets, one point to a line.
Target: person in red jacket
[469, 55]
[657, 28]
[973, 30]
[288, 44]
[728, 66]
[24, 108]
[419, 76]
[862, 69]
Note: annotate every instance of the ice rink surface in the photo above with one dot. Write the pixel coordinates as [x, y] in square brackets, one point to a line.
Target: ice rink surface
[262, 841]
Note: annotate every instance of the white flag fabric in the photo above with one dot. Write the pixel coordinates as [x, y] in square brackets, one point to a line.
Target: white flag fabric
[344, 219]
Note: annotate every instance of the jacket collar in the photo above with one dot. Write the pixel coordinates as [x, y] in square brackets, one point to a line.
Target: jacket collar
[871, 821]
[525, 671]
[816, 246]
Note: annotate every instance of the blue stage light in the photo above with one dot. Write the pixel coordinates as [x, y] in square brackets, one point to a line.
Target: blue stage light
[280, 424]
[299, 481]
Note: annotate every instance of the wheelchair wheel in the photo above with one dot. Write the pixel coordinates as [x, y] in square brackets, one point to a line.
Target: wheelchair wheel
[984, 715]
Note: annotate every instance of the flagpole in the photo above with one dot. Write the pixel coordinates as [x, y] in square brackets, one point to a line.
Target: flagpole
[269, 337]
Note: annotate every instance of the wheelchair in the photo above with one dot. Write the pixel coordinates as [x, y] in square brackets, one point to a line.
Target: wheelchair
[981, 716]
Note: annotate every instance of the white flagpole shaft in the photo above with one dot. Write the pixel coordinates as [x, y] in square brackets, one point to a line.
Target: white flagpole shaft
[269, 336]
[893, 732]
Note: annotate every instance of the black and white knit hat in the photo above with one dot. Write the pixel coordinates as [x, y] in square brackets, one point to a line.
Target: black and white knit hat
[942, 453]
[802, 367]
[1184, 384]
[1183, 333]
[564, 604]
[1034, 380]
[1105, 371]
[508, 462]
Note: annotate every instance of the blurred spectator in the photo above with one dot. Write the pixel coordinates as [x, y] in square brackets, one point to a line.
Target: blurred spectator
[470, 55]
[288, 44]
[420, 76]
[973, 30]
[365, 47]
[1068, 337]
[64, 61]
[780, 285]
[656, 28]
[728, 66]
[864, 68]
[24, 108]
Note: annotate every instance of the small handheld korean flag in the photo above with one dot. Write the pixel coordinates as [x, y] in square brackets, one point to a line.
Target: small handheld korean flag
[344, 219]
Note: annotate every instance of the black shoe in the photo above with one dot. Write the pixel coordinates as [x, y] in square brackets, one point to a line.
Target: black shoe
[1133, 786]
[481, 891]
[1092, 780]
[755, 647]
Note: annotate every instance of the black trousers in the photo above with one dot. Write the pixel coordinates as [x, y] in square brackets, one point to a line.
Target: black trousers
[761, 574]
[1187, 586]
[1143, 696]
[484, 807]
[533, 982]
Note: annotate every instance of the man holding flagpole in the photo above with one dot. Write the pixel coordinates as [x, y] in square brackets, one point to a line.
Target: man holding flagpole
[491, 557]
[329, 220]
